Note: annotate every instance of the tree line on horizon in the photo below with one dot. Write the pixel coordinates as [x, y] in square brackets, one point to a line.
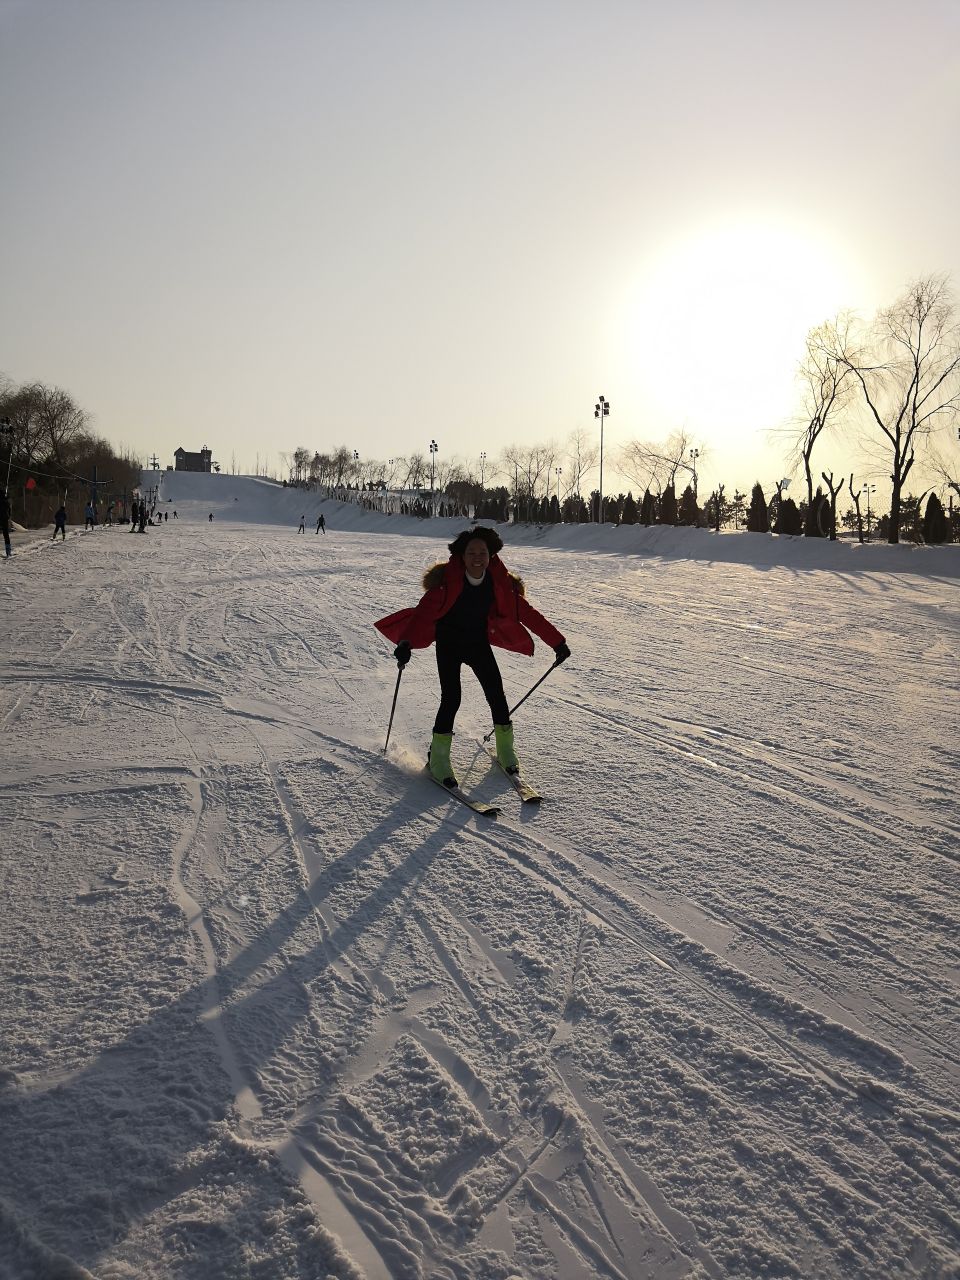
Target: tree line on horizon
[780, 515]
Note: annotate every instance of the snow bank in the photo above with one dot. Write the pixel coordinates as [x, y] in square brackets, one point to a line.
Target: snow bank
[248, 500]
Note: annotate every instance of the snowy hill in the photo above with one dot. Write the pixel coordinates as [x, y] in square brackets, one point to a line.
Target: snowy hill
[274, 1006]
[248, 500]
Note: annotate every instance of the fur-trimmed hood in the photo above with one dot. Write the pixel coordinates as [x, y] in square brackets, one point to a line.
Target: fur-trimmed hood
[434, 576]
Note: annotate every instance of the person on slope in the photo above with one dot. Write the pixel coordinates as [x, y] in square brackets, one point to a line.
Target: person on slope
[471, 603]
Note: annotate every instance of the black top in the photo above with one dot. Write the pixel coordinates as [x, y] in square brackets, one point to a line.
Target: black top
[466, 622]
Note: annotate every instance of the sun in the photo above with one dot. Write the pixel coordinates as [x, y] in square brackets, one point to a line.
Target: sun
[716, 323]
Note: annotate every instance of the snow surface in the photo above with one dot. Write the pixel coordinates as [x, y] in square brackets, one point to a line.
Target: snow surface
[274, 1007]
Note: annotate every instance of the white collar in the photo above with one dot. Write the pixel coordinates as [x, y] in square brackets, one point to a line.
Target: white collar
[475, 582]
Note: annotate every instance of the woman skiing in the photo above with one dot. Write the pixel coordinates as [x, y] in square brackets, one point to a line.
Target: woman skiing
[471, 603]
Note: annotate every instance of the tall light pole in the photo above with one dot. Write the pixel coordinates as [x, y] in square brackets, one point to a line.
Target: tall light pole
[868, 489]
[483, 463]
[601, 410]
[433, 455]
[6, 427]
[559, 471]
[694, 455]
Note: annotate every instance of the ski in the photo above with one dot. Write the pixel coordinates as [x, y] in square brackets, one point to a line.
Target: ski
[488, 810]
[528, 794]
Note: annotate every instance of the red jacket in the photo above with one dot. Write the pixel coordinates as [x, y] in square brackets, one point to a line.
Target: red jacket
[510, 614]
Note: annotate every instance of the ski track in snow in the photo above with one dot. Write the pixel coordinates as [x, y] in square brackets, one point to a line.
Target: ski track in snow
[273, 1006]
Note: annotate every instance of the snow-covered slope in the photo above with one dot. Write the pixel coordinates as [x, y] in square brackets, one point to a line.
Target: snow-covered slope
[274, 1006]
[254, 501]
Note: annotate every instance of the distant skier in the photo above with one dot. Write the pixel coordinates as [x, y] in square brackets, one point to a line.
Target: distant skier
[134, 515]
[5, 520]
[89, 516]
[60, 523]
[471, 603]
[302, 521]
[210, 516]
[322, 526]
[175, 516]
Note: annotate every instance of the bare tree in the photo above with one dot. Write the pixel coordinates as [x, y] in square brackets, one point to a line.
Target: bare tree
[580, 458]
[301, 463]
[828, 384]
[340, 464]
[654, 464]
[529, 466]
[833, 502]
[392, 472]
[855, 495]
[947, 469]
[912, 388]
[417, 471]
[23, 406]
[62, 421]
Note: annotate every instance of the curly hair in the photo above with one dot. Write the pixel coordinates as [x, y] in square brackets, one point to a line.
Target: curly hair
[489, 536]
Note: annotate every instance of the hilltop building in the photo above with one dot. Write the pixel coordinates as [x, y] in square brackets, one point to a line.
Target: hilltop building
[185, 461]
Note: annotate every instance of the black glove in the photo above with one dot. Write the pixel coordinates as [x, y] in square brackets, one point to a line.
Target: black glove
[402, 653]
[562, 651]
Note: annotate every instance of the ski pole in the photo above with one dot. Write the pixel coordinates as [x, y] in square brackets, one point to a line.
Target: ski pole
[394, 707]
[527, 695]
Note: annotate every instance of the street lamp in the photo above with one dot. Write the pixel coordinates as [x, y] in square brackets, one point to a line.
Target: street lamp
[6, 427]
[601, 410]
[433, 456]
[868, 489]
[559, 471]
[694, 455]
[483, 462]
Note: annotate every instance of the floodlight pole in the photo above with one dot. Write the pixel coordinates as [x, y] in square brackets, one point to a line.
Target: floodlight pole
[601, 410]
[6, 427]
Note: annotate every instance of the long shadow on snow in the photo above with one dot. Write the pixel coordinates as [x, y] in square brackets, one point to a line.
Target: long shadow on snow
[144, 1123]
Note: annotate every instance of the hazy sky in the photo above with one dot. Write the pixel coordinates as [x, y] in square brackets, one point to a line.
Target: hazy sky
[256, 225]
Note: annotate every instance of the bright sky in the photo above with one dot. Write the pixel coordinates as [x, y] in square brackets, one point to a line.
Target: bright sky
[260, 225]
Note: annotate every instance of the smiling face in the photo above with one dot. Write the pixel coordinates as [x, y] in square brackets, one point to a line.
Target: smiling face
[476, 557]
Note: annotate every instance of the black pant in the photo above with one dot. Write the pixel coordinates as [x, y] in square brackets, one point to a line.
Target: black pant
[479, 658]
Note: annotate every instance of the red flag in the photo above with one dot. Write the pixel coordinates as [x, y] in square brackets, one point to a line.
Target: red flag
[31, 483]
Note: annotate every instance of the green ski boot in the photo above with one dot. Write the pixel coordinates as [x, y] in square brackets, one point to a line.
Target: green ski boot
[438, 760]
[506, 755]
